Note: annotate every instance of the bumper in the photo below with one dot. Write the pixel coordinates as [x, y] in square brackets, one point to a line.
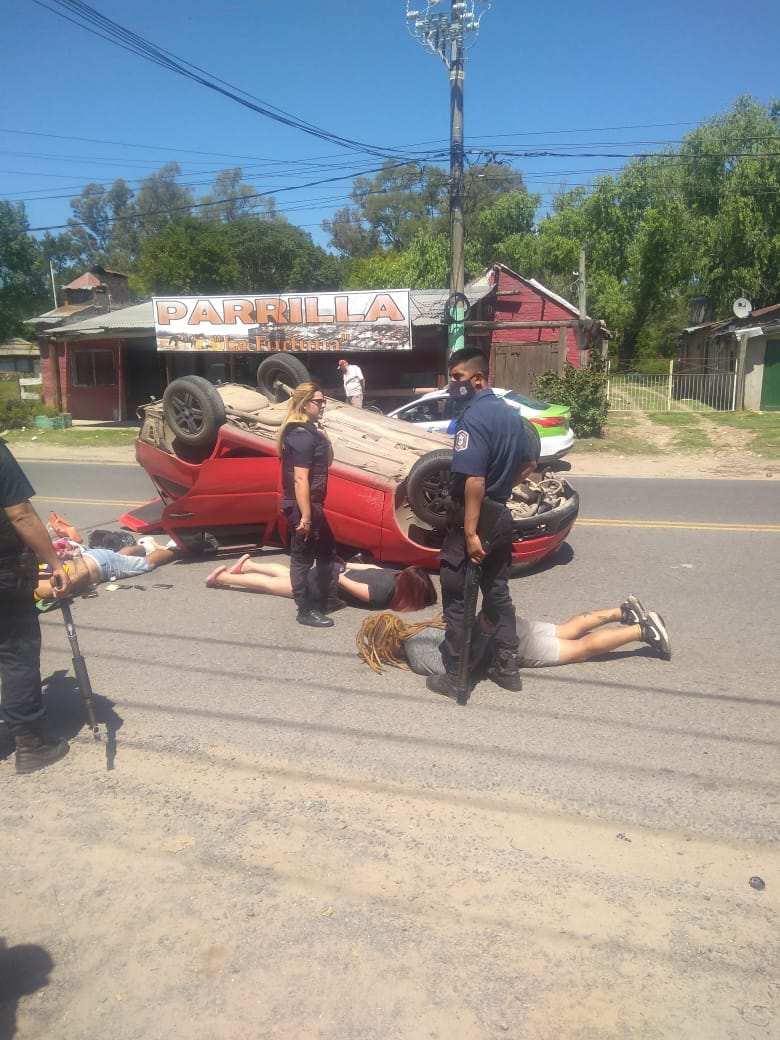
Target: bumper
[557, 447]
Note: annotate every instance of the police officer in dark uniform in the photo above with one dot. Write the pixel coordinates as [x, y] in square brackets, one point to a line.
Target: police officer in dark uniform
[306, 455]
[492, 453]
[23, 542]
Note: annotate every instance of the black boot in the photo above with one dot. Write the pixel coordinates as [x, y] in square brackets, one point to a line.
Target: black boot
[35, 751]
[313, 618]
[505, 670]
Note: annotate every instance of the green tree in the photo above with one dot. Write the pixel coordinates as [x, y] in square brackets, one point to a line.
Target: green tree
[195, 255]
[231, 192]
[23, 290]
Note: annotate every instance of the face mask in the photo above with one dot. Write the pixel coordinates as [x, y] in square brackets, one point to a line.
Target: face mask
[461, 391]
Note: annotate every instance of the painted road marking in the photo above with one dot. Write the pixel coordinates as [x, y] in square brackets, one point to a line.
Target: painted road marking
[87, 501]
[680, 525]
[675, 525]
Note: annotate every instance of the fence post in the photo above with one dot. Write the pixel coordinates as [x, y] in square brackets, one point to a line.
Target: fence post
[609, 367]
[669, 393]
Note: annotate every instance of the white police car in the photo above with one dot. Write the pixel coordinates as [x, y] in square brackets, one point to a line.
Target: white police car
[437, 412]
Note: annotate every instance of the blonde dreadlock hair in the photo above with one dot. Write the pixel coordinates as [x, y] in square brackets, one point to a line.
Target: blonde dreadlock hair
[381, 638]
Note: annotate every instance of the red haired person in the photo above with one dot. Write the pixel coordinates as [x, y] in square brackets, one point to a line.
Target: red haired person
[359, 584]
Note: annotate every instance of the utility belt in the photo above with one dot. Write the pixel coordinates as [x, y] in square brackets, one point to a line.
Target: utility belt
[491, 515]
[18, 573]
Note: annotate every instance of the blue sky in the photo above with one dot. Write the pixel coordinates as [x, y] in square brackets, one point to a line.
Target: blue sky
[536, 70]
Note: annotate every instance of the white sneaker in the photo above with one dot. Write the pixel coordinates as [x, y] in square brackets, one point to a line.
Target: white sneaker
[149, 544]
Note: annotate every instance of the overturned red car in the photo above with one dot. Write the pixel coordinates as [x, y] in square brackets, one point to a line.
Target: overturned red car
[211, 453]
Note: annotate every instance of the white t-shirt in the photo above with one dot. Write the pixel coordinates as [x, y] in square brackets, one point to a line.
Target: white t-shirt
[353, 381]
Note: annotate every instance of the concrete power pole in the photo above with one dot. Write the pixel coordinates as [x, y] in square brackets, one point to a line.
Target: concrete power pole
[582, 286]
[445, 35]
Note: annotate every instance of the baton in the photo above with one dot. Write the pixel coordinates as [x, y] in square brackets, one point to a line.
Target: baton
[80, 669]
[470, 594]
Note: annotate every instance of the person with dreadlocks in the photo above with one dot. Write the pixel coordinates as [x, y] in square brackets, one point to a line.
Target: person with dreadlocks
[385, 639]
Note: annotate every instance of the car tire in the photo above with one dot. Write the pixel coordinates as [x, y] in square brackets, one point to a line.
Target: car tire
[427, 487]
[279, 371]
[533, 436]
[194, 411]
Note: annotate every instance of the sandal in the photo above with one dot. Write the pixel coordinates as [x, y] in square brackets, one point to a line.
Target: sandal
[211, 581]
[238, 567]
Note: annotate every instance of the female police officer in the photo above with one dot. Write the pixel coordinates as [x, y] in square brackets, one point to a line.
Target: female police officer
[306, 454]
[23, 541]
[491, 454]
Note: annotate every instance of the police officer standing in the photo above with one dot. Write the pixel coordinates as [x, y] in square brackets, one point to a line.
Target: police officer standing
[306, 454]
[23, 542]
[492, 453]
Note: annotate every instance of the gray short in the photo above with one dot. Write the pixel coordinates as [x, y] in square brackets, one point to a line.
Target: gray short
[112, 565]
[539, 645]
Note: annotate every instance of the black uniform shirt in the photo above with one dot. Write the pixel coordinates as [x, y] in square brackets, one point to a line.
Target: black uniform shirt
[305, 445]
[15, 488]
[490, 442]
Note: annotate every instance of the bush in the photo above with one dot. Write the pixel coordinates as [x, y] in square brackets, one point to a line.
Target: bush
[584, 390]
[16, 414]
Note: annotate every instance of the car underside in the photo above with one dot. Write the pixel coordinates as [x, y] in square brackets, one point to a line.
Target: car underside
[212, 455]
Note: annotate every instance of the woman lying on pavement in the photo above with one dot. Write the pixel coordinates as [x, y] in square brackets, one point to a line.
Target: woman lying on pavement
[360, 584]
[87, 567]
[387, 640]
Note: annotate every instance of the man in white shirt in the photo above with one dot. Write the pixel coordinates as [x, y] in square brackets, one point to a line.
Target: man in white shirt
[354, 383]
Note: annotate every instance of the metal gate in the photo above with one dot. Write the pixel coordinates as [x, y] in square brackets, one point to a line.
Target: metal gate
[516, 366]
[673, 392]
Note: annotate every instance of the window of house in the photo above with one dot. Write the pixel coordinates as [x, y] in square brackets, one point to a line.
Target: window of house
[93, 368]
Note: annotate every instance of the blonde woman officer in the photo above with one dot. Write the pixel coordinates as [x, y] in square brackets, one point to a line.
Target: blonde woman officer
[306, 454]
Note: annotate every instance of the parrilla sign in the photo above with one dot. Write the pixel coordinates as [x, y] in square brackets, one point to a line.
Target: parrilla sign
[345, 321]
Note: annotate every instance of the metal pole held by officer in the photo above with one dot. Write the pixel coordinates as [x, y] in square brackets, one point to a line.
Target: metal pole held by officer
[23, 542]
[492, 453]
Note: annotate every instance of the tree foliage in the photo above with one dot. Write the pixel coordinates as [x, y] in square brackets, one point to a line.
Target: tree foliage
[23, 290]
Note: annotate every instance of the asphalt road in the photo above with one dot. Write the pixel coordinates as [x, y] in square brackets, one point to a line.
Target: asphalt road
[718, 591]
[634, 797]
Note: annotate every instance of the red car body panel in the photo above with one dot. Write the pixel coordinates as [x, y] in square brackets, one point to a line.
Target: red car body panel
[239, 486]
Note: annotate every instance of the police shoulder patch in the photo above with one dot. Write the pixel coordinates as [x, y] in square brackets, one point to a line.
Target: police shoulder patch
[461, 440]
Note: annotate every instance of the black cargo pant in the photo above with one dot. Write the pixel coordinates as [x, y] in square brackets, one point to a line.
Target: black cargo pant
[497, 603]
[20, 662]
[318, 550]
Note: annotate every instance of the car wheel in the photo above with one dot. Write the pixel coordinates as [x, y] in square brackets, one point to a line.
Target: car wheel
[428, 487]
[194, 411]
[532, 433]
[279, 374]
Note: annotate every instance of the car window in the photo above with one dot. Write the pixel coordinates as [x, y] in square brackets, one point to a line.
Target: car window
[424, 411]
[529, 402]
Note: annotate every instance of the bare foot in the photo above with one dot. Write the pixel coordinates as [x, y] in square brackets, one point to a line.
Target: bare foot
[212, 581]
[238, 567]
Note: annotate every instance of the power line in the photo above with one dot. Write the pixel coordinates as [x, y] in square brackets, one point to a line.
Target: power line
[92, 21]
[217, 202]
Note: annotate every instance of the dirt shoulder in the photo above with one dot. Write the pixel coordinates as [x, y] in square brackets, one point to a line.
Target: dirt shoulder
[662, 445]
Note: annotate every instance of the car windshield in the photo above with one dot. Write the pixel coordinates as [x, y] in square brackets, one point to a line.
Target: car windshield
[529, 402]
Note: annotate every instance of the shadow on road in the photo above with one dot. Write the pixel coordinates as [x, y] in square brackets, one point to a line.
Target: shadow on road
[66, 716]
[24, 969]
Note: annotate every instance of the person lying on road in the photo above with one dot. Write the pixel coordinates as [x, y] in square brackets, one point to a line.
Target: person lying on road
[387, 640]
[359, 584]
[92, 566]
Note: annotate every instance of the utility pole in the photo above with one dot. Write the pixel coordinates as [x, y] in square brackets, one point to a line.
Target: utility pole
[582, 286]
[53, 283]
[445, 35]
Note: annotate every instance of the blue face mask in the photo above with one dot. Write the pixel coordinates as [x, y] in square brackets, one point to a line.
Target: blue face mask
[461, 391]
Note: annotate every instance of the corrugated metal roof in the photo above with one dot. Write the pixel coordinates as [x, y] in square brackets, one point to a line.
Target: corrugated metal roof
[59, 314]
[84, 281]
[428, 306]
[138, 318]
[18, 347]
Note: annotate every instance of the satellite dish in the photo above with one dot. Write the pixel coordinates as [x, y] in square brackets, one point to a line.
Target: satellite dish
[742, 308]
